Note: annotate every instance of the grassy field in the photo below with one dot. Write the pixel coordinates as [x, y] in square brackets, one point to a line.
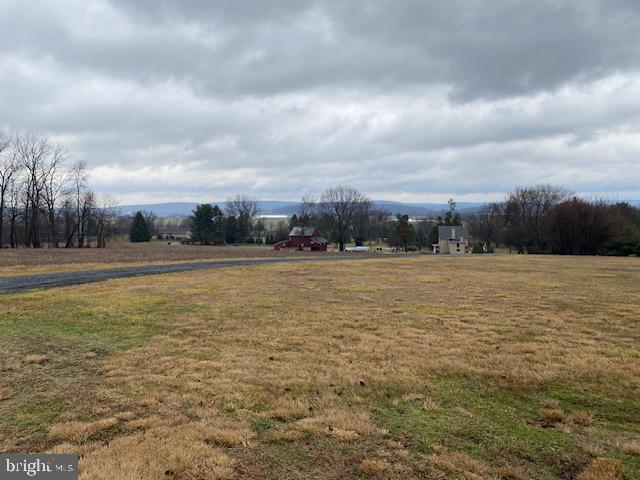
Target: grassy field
[513, 367]
[25, 261]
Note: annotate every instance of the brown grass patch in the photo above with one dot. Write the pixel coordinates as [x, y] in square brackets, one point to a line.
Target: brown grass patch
[461, 463]
[6, 393]
[580, 418]
[592, 449]
[147, 402]
[603, 469]
[286, 436]
[36, 359]
[226, 434]
[551, 417]
[146, 423]
[66, 417]
[430, 404]
[631, 448]
[79, 431]
[286, 408]
[374, 468]
[125, 416]
[510, 472]
[340, 423]
[165, 452]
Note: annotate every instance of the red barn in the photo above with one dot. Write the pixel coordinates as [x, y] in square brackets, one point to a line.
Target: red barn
[308, 237]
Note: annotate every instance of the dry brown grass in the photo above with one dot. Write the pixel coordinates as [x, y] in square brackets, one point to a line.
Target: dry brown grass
[125, 416]
[374, 468]
[24, 261]
[79, 432]
[286, 436]
[592, 449]
[603, 469]
[511, 473]
[552, 416]
[36, 359]
[299, 364]
[461, 463]
[580, 418]
[6, 393]
[165, 452]
[631, 448]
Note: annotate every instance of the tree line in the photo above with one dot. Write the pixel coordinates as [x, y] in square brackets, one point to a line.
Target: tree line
[342, 214]
[531, 219]
[550, 219]
[44, 201]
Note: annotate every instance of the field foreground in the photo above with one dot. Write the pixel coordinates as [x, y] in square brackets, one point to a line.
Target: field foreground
[514, 367]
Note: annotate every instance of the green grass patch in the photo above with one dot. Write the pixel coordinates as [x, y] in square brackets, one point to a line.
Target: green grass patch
[501, 427]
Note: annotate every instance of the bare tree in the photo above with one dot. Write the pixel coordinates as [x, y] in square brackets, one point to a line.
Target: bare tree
[13, 210]
[378, 220]
[306, 209]
[361, 221]
[580, 227]
[152, 221]
[9, 167]
[55, 188]
[243, 204]
[527, 212]
[39, 159]
[340, 204]
[244, 209]
[86, 210]
[105, 218]
[77, 206]
[486, 226]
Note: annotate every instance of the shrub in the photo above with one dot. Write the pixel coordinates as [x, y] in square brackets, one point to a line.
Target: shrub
[478, 247]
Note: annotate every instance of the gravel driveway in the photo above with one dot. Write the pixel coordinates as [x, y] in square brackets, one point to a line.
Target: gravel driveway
[61, 279]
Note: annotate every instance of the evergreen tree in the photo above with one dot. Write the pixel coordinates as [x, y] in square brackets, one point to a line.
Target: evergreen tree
[433, 235]
[404, 232]
[139, 229]
[421, 237]
[202, 226]
[231, 235]
[294, 222]
[219, 226]
[452, 218]
[244, 227]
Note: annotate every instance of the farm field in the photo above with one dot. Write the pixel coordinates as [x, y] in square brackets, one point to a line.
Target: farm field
[514, 367]
[25, 261]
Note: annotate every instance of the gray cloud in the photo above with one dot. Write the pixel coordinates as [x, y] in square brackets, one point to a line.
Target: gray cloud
[406, 100]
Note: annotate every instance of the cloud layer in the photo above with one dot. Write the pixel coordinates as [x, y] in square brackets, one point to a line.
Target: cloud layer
[414, 100]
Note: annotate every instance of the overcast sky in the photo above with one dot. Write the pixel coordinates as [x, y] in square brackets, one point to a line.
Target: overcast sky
[406, 100]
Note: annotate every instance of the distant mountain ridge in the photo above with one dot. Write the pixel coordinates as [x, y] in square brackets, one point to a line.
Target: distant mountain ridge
[182, 209]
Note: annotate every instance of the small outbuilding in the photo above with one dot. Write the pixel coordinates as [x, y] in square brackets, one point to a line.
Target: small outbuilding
[452, 239]
[305, 237]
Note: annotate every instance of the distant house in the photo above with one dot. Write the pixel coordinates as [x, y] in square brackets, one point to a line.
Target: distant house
[308, 237]
[174, 235]
[452, 239]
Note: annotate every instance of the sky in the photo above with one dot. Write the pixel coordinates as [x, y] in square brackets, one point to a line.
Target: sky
[406, 100]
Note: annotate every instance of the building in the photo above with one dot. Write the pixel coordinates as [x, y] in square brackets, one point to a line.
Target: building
[308, 237]
[452, 239]
[186, 235]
